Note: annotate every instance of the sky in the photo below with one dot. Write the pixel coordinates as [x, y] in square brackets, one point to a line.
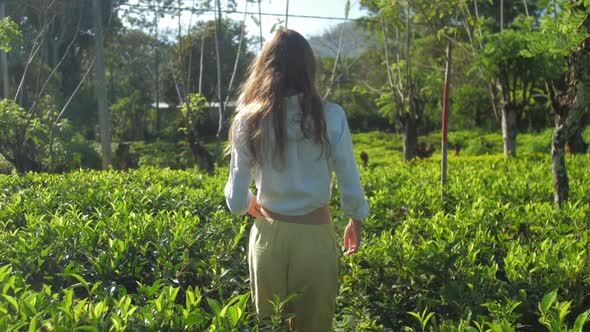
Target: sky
[306, 26]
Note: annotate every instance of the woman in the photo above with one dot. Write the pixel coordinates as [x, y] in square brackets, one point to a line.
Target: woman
[290, 142]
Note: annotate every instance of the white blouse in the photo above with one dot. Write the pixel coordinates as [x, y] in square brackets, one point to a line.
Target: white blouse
[304, 182]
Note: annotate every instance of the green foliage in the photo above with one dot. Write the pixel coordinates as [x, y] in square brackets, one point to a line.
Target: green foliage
[144, 255]
[279, 319]
[30, 144]
[24, 134]
[9, 34]
[502, 58]
[156, 249]
[72, 151]
[471, 108]
[15, 122]
[126, 116]
[560, 32]
[163, 154]
[193, 111]
[5, 166]
[554, 313]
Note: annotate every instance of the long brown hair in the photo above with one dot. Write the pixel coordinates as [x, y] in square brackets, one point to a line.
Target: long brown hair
[285, 66]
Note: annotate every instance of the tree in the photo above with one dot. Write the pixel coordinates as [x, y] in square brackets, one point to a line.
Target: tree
[147, 15]
[338, 51]
[516, 77]
[223, 96]
[405, 94]
[193, 104]
[5, 40]
[26, 137]
[105, 128]
[14, 147]
[193, 110]
[49, 69]
[564, 39]
[57, 35]
[495, 14]
[57, 49]
[496, 36]
[191, 48]
[130, 60]
[218, 66]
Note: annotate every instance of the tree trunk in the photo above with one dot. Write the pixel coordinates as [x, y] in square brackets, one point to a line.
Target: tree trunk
[201, 64]
[509, 131]
[23, 163]
[410, 138]
[4, 58]
[71, 72]
[202, 157]
[219, 79]
[559, 170]
[566, 127]
[157, 76]
[105, 132]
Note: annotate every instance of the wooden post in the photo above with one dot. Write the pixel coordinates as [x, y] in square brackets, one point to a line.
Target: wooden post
[445, 118]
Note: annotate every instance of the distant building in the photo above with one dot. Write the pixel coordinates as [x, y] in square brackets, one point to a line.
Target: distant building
[169, 115]
[165, 106]
[161, 105]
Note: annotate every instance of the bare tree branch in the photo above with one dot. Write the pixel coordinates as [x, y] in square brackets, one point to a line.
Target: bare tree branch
[190, 55]
[64, 109]
[177, 87]
[201, 63]
[386, 49]
[34, 49]
[237, 61]
[373, 89]
[57, 66]
[338, 51]
[344, 71]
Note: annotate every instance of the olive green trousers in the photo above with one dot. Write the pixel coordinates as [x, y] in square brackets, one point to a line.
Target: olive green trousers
[303, 259]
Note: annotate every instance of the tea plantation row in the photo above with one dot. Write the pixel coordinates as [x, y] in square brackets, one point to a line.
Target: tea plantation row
[156, 249]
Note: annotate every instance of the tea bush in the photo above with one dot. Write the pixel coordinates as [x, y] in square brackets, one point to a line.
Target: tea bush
[157, 249]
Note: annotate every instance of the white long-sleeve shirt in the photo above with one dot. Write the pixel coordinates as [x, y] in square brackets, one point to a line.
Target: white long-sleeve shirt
[304, 183]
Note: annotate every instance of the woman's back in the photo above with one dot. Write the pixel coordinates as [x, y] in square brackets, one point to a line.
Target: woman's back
[302, 182]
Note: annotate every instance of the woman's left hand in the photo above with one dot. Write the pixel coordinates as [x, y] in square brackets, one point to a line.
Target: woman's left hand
[254, 208]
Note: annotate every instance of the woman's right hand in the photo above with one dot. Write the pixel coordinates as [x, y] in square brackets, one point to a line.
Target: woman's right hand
[254, 208]
[352, 237]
